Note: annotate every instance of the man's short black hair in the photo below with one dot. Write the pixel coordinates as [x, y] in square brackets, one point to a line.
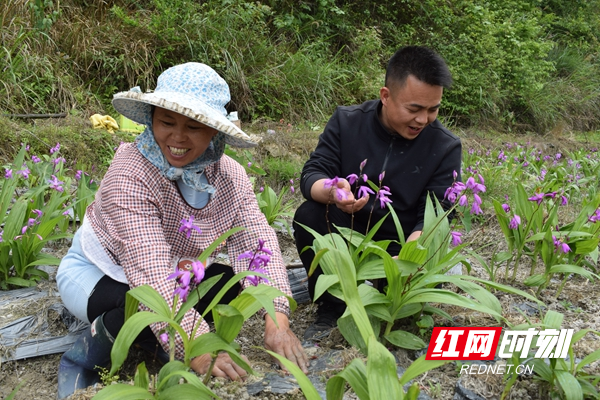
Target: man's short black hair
[425, 64]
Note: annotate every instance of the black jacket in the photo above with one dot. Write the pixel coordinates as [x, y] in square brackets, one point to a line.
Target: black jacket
[412, 167]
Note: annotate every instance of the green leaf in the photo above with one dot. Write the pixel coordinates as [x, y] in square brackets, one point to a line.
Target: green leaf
[305, 384]
[406, 340]
[535, 280]
[347, 326]
[553, 319]
[356, 375]
[419, 366]
[212, 343]
[228, 321]
[587, 360]
[186, 391]
[192, 389]
[149, 297]
[542, 369]
[447, 297]
[130, 331]
[121, 391]
[569, 385]
[572, 269]
[141, 378]
[216, 243]
[167, 375]
[382, 378]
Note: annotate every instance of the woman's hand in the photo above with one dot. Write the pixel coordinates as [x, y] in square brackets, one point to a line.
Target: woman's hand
[284, 342]
[224, 367]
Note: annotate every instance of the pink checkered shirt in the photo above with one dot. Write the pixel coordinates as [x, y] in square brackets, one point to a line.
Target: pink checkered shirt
[136, 216]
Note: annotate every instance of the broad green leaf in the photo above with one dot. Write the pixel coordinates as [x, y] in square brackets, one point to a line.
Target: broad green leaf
[372, 269]
[419, 366]
[149, 297]
[569, 385]
[542, 369]
[131, 305]
[305, 384]
[356, 375]
[535, 280]
[572, 269]
[212, 343]
[345, 270]
[122, 391]
[587, 360]
[413, 252]
[406, 340]
[447, 297]
[382, 378]
[217, 242]
[186, 391]
[130, 331]
[553, 319]
[228, 321]
[141, 378]
[349, 330]
[324, 282]
[167, 376]
[193, 388]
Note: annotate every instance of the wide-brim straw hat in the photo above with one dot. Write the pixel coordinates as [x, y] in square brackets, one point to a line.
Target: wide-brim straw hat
[192, 89]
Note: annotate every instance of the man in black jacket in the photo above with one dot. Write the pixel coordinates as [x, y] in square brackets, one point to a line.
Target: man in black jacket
[402, 142]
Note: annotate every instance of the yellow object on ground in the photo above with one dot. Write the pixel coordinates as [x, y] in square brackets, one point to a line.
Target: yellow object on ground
[128, 125]
[104, 122]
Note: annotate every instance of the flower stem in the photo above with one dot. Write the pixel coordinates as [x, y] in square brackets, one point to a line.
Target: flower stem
[209, 372]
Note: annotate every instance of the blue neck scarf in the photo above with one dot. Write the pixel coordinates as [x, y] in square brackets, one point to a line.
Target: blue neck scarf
[189, 174]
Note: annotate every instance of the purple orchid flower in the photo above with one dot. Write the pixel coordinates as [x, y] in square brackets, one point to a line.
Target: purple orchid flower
[514, 222]
[187, 225]
[364, 191]
[537, 198]
[456, 238]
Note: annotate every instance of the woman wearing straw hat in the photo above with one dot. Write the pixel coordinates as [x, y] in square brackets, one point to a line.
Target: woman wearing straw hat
[131, 234]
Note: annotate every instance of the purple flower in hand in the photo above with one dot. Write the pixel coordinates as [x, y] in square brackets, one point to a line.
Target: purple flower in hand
[187, 225]
[328, 183]
[352, 178]
[364, 191]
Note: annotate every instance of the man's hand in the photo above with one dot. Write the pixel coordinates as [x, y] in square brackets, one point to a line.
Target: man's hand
[346, 203]
[224, 367]
[283, 341]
